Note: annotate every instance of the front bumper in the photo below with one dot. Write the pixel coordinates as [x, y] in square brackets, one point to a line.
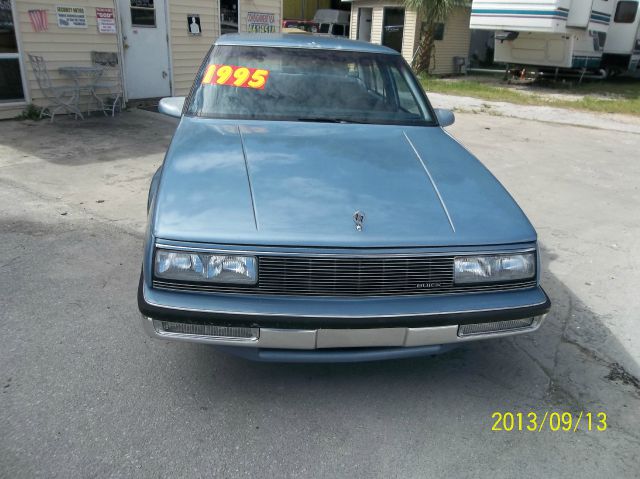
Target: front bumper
[312, 324]
[309, 339]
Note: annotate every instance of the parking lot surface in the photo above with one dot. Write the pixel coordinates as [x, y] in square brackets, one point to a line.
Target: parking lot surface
[85, 394]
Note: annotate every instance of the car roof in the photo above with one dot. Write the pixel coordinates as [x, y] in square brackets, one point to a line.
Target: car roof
[311, 41]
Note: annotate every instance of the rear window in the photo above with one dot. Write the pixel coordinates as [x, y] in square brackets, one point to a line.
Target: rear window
[299, 84]
[626, 12]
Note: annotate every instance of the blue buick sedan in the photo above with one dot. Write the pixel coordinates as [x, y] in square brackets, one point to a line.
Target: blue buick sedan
[312, 208]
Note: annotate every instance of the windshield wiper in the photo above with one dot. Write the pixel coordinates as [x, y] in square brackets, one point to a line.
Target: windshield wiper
[320, 119]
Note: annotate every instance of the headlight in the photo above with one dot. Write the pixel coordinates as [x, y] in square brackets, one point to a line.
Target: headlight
[494, 268]
[216, 268]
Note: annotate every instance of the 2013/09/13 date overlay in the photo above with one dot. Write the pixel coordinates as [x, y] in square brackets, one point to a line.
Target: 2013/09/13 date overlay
[551, 421]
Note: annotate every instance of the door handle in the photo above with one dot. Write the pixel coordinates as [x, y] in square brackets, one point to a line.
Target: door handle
[164, 74]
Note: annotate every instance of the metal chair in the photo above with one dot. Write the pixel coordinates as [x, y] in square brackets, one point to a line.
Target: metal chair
[110, 84]
[63, 98]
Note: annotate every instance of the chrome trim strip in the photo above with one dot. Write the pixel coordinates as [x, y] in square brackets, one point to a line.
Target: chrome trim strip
[433, 183]
[259, 252]
[309, 339]
[287, 338]
[453, 291]
[360, 338]
[430, 336]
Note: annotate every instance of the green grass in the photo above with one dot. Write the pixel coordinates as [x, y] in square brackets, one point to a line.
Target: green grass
[614, 96]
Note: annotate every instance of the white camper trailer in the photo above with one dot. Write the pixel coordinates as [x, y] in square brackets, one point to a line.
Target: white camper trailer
[558, 34]
[622, 49]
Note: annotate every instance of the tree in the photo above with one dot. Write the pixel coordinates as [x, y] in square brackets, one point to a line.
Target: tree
[430, 12]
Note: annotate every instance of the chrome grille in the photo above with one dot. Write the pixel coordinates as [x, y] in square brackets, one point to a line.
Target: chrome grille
[496, 327]
[354, 276]
[206, 330]
[348, 276]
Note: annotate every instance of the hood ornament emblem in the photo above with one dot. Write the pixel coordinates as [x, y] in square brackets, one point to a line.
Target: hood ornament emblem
[358, 219]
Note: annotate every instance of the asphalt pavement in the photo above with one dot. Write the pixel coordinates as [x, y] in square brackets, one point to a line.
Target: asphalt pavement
[84, 393]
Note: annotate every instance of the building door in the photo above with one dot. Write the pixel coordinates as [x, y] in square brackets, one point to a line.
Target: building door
[364, 24]
[393, 28]
[11, 89]
[145, 47]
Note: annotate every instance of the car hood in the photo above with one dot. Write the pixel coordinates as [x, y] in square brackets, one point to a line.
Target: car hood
[299, 184]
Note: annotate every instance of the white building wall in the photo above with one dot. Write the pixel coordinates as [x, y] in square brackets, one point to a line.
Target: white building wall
[455, 43]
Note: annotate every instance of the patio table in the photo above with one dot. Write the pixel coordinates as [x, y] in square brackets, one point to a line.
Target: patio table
[84, 78]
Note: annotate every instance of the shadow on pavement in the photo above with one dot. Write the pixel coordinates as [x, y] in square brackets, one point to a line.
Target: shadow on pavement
[70, 142]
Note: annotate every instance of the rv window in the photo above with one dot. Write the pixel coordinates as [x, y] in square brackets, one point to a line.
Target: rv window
[599, 40]
[338, 30]
[626, 12]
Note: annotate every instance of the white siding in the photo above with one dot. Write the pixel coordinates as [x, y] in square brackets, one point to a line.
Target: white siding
[376, 25]
[455, 43]
[187, 51]
[456, 40]
[60, 46]
[65, 46]
[353, 23]
[409, 34]
[7, 112]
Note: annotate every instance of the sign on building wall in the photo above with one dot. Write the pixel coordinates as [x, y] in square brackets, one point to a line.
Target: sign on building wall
[105, 20]
[71, 17]
[261, 22]
[193, 24]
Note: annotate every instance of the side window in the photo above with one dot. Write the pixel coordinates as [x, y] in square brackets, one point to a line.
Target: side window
[626, 12]
[406, 99]
[372, 77]
[338, 30]
[599, 39]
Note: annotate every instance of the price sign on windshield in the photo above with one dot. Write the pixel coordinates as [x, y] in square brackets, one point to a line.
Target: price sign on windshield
[230, 75]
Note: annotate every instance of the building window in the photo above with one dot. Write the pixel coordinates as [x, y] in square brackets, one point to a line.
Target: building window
[143, 13]
[438, 31]
[229, 16]
[10, 73]
[626, 12]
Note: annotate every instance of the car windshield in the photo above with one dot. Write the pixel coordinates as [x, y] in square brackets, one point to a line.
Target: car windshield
[272, 83]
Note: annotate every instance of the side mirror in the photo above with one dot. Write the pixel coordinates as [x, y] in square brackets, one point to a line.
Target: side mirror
[172, 106]
[445, 117]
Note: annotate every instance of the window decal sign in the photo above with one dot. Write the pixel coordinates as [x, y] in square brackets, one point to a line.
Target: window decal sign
[230, 75]
[258, 22]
